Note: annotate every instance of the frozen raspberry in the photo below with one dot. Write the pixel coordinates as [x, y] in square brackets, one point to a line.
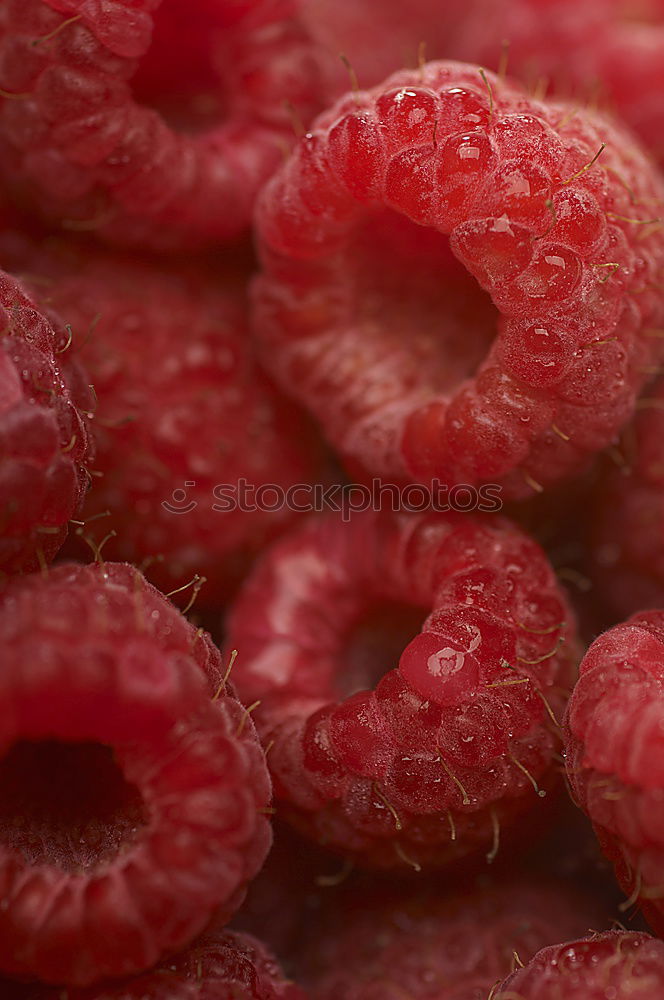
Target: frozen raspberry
[182, 413]
[220, 966]
[44, 437]
[609, 51]
[367, 318]
[131, 805]
[151, 123]
[628, 514]
[616, 965]
[428, 761]
[387, 944]
[614, 728]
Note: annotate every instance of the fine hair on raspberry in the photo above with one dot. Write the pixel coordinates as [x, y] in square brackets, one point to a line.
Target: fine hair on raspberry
[133, 790]
[422, 763]
[375, 235]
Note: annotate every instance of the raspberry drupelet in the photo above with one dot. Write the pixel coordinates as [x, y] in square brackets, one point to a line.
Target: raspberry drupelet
[131, 802]
[613, 741]
[182, 409]
[621, 965]
[385, 943]
[219, 966]
[375, 236]
[627, 554]
[429, 761]
[150, 123]
[44, 434]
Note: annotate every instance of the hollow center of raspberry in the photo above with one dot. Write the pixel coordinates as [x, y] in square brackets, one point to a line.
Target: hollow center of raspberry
[420, 312]
[373, 644]
[66, 804]
[181, 74]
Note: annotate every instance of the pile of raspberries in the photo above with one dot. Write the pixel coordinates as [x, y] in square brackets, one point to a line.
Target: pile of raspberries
[331, 500]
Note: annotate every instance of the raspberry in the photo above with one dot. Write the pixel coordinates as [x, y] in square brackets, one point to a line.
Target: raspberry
[613, 739]
[429, 945]
[628, 516]
[101, 133]
[355, 325]
[621, 965]
[427, 762]
[44, 438]
[601, 50]
[182, 411]
[130, 804]
[220, 966]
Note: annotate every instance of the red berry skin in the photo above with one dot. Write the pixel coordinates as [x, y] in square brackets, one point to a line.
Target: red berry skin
[45, 441]
[627, 554]
[622, 965]
[613, 738]
[132, 805]
[223, 965]
[412, 371]
[432, 943]
[149, 123]
[181, 410]
[426, 762]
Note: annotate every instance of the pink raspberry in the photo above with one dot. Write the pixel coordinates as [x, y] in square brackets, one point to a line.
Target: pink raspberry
[619, 965]
[609, 51]
[386, 943]
[220, 966]
[628, 515]
[427, 762]
[367, 318]
[131, 805]
[181, 411]
[613, 737]
[150, 123]
[44, 438]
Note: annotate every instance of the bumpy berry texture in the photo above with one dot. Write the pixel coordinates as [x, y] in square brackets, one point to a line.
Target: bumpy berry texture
[181, 411]
[435, 945]
[368, 319]
[219, 966]
[627, 554]
[620, 965]
[613, 738]
[605, 51]
[151, 123]
[423, 763]
[131, 801]
[44, 437]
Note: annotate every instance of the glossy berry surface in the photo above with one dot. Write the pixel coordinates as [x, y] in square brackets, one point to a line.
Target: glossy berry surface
[182, 413]
[131, 802]
[223, 965]
[426, 761]
[150, 123]
[613, 738]
[617, 965]
[367, 318]
[45, 440]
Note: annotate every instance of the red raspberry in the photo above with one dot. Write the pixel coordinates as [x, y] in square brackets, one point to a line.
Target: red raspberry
[424, 763]
[220, 966]
[614, 761]
[605, 50]
[619, 965]
[44, 438]
[431, 945]
[358, 279]
[628, 516]
[130, 804]
[181, 411]
[99, 131]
